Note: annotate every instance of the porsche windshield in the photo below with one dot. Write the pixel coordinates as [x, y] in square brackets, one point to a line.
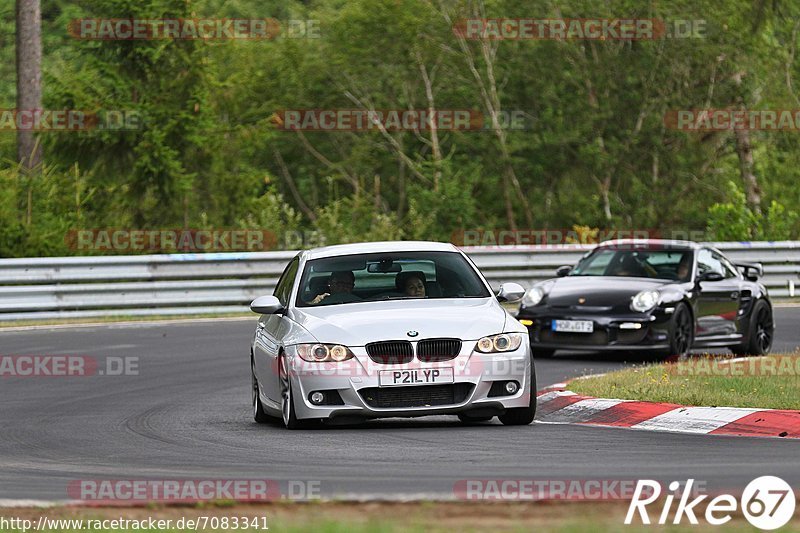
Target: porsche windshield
[636, 263]
[388, 276]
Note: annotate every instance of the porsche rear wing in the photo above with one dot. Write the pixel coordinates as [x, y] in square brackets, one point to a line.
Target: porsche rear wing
[751, 271]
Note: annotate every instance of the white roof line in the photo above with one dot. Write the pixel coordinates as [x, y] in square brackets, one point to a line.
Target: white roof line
[379, 247]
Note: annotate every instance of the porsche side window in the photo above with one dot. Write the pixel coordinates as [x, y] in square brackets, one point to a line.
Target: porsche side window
[283, 289]
[706, 262]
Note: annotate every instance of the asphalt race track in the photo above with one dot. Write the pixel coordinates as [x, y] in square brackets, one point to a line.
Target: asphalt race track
[187, 415]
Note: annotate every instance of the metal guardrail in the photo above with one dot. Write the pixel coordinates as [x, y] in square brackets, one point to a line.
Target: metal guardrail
[186, 284]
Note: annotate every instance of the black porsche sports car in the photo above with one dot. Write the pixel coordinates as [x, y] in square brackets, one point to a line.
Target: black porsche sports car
[669, 296]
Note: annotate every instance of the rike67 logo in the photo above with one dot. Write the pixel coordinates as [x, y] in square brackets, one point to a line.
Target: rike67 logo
[767, 502]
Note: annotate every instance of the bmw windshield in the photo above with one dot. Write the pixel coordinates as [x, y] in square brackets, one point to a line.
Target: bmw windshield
[388, 276]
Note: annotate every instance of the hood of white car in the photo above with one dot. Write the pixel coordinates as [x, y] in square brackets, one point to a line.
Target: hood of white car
[357, 324]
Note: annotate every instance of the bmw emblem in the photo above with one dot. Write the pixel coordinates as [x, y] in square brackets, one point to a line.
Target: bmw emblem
[412, 333]
[581, 300]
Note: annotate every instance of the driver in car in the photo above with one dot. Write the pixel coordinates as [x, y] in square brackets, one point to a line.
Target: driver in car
[340, 289]
[685, 267]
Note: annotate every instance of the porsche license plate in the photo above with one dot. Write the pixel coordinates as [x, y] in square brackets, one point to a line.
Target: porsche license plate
[573, 326]
[422, 376]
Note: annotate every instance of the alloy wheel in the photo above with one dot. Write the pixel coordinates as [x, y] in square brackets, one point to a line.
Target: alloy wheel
[286, 392]
[682, 334]
[764, 329]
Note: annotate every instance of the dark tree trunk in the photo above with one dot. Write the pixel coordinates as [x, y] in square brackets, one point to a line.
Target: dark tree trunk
[29, 77]
[745, 152]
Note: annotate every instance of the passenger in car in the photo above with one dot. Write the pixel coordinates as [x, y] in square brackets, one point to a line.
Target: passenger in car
[630, 267]
[411, 284]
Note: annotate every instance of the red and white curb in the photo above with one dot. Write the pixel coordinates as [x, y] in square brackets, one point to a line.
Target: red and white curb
[559, 406]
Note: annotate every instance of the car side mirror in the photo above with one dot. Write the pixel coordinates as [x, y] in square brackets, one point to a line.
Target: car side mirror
[510, 292]
[563, 271]
[266, 305]
[710, 276]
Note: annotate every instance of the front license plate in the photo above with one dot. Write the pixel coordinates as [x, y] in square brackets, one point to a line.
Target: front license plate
[422, 376]
[573, 326]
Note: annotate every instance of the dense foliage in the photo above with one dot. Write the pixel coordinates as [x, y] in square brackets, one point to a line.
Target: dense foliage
[594, 149]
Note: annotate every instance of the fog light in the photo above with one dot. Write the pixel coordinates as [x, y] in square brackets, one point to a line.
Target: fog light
[511, 387]
[317, 398]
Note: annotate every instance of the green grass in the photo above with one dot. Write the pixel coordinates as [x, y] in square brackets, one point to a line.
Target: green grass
[771, 382]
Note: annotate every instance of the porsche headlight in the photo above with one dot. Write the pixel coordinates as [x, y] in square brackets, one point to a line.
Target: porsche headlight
[324, 353]
[505, 342]
[644, 301]
[533, 296]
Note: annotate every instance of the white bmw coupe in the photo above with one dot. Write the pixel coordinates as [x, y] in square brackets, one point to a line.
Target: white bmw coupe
[389, 329]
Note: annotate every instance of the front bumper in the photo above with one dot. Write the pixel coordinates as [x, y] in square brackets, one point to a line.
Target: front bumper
[358, 393]
[634, 331]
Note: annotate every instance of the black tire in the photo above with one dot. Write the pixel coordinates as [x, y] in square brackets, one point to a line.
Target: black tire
[259, 414]
[522, 416]
[681, 331]
[468, 419]
[760, 332]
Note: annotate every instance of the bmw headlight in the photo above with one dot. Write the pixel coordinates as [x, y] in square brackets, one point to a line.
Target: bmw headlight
[644, 301]
[505, 342]
[324, 353]
[533, 296]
